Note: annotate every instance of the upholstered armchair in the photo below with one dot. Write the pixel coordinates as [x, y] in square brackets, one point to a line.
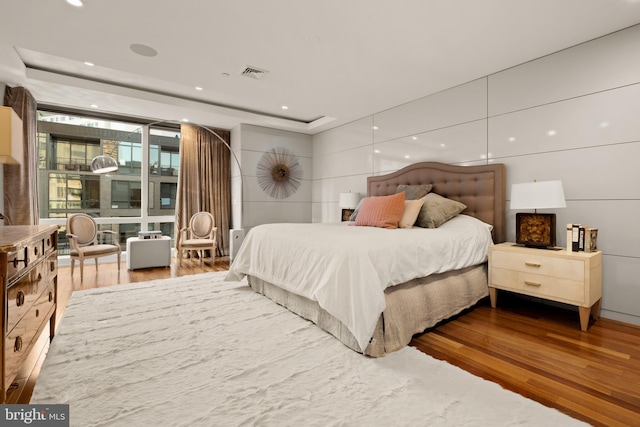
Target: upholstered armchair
[82, 232]
[199, 236]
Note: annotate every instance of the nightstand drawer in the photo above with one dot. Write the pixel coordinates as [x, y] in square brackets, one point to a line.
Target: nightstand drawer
[531, 263]
[548, 287]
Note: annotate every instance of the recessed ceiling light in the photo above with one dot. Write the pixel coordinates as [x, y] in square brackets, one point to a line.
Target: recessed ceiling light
[443, 145]
[284, 107]
[89, 64]
[511, 139]
[604, 124]
[199, 88]
[376, 151]
[414, 138]
[551, 132]
[94, 105]
[143, 50]
[375, 128]
[76, 3]
[185, 120]
[407, 156]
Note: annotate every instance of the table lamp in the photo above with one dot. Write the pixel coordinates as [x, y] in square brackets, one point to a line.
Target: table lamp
[348, 202]
[11, 137]
[537, 230]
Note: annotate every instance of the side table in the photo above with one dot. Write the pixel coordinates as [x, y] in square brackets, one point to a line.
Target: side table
[573, 278]
[146, 253]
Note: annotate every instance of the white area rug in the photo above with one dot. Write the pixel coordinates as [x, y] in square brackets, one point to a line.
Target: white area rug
[198, 351]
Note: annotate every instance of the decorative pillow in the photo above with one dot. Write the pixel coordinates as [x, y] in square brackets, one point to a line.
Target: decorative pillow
[410, 214]
[414, 192]
[381, 211]
[437, 210]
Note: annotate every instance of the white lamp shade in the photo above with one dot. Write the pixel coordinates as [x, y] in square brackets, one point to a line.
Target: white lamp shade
[11, 137]
[349, 200]
[538, 195]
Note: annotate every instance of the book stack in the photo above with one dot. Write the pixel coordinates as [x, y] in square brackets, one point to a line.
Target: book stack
[582, 239]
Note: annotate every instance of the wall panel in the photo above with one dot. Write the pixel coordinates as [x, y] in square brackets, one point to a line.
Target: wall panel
[604, 118]
[461, 104]
[455, 144]
[602, 64]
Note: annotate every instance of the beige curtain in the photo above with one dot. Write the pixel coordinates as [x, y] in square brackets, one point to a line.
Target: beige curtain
[204, 181]
[21, 181]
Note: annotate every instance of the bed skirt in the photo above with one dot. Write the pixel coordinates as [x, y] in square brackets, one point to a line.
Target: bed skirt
[411, 307]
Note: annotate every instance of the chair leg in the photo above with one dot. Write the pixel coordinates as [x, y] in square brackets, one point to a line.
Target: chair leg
[118, 261]
[73, 262]
[81, 269]
[96, 261]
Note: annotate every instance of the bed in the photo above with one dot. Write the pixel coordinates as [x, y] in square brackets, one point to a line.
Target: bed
[337, 276]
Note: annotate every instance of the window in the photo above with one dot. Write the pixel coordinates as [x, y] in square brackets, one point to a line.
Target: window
[126, 194]
[73, 155]
[67, 143]
[168, 191]
[129, 158]
[73, 192]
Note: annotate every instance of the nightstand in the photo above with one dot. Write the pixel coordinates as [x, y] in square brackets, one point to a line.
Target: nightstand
[573, 278]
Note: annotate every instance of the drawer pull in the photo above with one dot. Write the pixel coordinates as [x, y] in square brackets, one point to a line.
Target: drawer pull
[20, 298]
[530, 283]
[37, 313]
[52, 266]
[50, 296]
[16, 261]
[17, 345]
[532, 264]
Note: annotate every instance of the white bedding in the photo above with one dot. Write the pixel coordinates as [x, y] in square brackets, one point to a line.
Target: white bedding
[346, 268]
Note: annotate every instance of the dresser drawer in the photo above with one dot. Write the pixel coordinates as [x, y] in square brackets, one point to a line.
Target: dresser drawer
[19, 340]
[22, 295]
[20, 260]
[562, 268]
[548, 287]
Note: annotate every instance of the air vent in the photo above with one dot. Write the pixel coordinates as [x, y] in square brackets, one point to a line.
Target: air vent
[253, 72]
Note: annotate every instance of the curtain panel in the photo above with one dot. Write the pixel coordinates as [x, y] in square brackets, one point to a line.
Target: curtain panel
[21, 181]
[204, 180]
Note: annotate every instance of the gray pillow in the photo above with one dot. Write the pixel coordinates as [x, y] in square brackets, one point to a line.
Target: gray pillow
[437, 210]
[414, 192]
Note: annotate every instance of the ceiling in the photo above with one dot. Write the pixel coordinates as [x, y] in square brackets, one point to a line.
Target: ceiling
[330, 62]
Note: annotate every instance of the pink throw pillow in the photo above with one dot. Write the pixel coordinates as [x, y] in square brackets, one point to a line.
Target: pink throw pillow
[381, 211]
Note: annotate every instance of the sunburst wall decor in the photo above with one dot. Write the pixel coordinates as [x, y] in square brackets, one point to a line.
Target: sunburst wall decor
[279, 173]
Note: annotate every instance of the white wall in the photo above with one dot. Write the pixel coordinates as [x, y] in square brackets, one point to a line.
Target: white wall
[589, 95]
[250, 143]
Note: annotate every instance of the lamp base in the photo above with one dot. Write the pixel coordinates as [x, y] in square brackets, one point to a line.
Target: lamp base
[346, 214]
[536, 230]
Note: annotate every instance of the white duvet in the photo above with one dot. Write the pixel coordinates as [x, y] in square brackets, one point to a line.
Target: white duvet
[347, 268]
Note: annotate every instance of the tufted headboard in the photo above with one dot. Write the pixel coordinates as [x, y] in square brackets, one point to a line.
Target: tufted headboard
[481, 188]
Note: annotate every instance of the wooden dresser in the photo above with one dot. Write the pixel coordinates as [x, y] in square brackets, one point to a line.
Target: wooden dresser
[29, 270]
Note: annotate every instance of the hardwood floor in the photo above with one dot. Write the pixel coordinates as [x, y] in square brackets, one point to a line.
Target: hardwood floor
[538, 351]
[532, 349]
